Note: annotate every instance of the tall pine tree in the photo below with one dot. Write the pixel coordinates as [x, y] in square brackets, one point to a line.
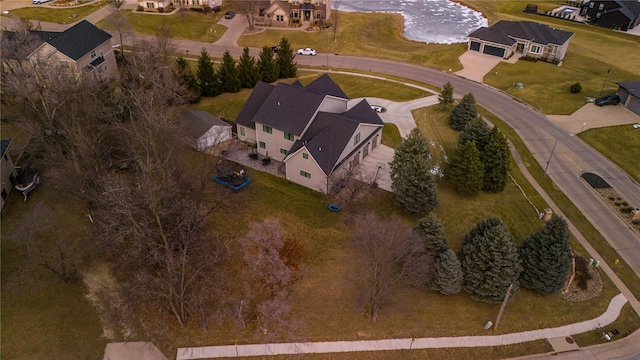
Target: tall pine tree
[207, 76]
[284, 57]
[464, 112]
[546, 257]
[447, 278]
[476, 130]
[228, 74]
[446, 95]
[431, 231]
[248, 70]
[188, 80]
[496, 159]
[412, 183]
[489, 261]
[465, 170]
[268, 66]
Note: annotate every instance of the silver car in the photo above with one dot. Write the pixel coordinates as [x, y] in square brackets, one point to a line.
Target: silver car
[306, 51]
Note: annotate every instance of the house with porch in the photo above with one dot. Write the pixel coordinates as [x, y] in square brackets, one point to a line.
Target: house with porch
[613, 14]
[536, 40]
[310, 130]
[284, 12]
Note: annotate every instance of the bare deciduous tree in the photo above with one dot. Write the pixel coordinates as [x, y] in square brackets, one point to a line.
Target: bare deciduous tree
[250, 8]
[392, 255]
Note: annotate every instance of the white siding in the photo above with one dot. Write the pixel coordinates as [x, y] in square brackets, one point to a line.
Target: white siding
[249, 134]
[297, 162]
[364, 130]
[215, 136]
[274, 142]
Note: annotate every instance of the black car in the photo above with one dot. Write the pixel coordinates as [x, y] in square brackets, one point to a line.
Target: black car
[276, 48]
[229, 15]
[608, 100]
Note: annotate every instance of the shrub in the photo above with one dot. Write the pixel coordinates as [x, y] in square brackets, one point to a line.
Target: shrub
[612, 198]
[161, 9]
[625, 203]
[582, 272]
[576, 88]
[626, 209]
[216, 8]
[139, 8]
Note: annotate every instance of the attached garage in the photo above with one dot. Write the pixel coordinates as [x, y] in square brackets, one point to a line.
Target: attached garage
[475, 46]
[629, 93]
[493, 50]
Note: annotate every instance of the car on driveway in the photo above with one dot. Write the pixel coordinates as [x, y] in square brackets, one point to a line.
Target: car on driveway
[229, 15]
[276, 48]
[40, 1]
[608, 100]
[306, 51]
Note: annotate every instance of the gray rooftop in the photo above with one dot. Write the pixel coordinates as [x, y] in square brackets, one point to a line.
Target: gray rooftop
[632, 87]
[195, 123]
[505, 32]
[79, 40]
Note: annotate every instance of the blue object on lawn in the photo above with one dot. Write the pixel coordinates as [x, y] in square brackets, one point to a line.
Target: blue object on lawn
[333, 207]
[234, 187]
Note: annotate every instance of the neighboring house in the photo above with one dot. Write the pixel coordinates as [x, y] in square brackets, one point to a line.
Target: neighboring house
[7, 169]
[200, 4]
[629, 93]
[310, 130]
[532, 39]
[614, 14]
[82, 49]
[203, 130]
[284, 12]
[154, 5]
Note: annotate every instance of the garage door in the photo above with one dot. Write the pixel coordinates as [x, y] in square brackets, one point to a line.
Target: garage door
[475, 46]
[492, 50]
[634, 104]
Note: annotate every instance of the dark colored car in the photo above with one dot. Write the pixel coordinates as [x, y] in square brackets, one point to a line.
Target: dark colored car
[276, 48]
[229, 15]
[608, 100]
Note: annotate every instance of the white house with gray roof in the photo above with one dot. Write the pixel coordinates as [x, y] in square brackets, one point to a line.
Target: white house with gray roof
[505, 38]
[310, 129]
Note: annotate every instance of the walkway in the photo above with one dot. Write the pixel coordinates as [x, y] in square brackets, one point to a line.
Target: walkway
[612, 313]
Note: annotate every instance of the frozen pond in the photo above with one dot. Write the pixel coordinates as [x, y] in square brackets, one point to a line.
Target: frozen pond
[430, 21]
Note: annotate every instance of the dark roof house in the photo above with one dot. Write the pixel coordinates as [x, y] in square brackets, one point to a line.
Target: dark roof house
[629, 93]
[614, 14]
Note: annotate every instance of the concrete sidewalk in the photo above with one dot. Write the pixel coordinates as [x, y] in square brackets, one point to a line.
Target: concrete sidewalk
[612, 313]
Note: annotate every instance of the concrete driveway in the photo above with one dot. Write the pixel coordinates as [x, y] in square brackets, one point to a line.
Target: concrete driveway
[377, 162]
[476, 65]
[592, 116]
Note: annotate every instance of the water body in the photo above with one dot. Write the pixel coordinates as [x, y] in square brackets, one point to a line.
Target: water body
[430, 21]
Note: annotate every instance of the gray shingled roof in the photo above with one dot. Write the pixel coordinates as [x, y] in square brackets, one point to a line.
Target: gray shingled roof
[504, 32]
[195, 123]
[329, 134]
[79, 40]
[632, 87]
[630, 9]
[326, 86]
[288, 108]
[259, 94]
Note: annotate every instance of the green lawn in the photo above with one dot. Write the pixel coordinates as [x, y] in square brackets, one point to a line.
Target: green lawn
[190, 25]
[62, 15]
[621, 144]
[375, 35]
[391, 136]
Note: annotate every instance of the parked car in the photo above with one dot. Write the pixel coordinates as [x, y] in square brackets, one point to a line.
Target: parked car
[608, 100]
[40, 1]
[276, 48]
[306, 51]
[229, 15]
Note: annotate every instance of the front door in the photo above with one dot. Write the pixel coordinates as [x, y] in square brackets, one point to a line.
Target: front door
[307, 15]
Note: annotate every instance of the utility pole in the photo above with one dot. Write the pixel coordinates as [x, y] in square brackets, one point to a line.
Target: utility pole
[504, 304]
[605, 79]
[548, 161]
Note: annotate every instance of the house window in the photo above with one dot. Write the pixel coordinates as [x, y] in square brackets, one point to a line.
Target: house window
[601, 7]
[279, 17]
[150, 5]
[356, 139]
[104, 67]
[93, 54]
[598, 15]
[242, 131]
[305, 156]
[535, 49]
[318, 14]
[288, 136]
[295, 14]
[263, 145]
[267, 129]
[305, 174]
[283, 151]
[296, 2]
[591, 5]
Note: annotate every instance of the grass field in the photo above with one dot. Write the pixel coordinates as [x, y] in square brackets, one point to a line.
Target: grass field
[621, 144]
[374, 35]
[60, 15]
[190, 25]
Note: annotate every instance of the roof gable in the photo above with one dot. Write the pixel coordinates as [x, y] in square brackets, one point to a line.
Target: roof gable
[79, 40]
[259, 94]
[632, 87]
[326, 86]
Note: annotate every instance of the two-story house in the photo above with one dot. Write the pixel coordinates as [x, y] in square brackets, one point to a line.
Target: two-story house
[614, 14]
[82, 49]
[310, 129]
[284, 12]
[505, 38]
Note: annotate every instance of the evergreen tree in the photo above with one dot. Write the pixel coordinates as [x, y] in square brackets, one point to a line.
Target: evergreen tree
[546, 257]
[476, 130]
[268, 66]
[465, 170]
[207, 76]
[228, 74]
[284, 58]
[489, 261]
[496, 159]
[412, 183]
[446, 95]
[248, 70]
[432, 233]
[464, 112]
[447, 277]
[189, 81]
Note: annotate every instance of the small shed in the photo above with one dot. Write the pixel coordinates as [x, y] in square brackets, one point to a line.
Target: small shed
[629, 93]
[203, 130]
